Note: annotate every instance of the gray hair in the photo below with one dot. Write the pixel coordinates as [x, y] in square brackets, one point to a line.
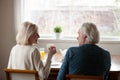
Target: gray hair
[91, 31]
[26, 31]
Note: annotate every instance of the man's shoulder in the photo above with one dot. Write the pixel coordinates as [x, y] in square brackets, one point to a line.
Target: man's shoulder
[74, 47]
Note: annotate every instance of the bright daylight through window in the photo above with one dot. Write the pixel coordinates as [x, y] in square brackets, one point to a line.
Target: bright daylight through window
[70, 14]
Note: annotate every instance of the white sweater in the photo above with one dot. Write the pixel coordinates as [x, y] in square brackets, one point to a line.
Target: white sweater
[28, 57]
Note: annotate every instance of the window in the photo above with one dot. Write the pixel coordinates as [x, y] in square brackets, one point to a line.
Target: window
[70, 14]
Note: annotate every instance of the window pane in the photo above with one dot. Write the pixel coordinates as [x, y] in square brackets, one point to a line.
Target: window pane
[70, 16]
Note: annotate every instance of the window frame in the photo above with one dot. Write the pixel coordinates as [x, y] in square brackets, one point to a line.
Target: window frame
[19, 11]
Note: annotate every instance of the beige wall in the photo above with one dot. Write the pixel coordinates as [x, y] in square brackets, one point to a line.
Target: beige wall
[7, 34]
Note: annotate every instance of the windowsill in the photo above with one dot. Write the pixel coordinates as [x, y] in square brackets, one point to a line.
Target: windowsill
[57, 40]
[74, 40]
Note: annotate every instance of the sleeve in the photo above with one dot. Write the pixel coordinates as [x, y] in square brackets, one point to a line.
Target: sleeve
[10, 60]
[64, 68]
[47, 65]
[43, 71]
[108, 65]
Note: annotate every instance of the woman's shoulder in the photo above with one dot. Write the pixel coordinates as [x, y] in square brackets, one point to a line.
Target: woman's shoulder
[24, 47]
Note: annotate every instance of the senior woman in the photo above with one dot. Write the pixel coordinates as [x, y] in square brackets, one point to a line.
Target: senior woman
[87, 58]
[24, 55]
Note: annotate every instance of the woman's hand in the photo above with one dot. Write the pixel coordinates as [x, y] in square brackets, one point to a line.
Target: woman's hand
[52, 50]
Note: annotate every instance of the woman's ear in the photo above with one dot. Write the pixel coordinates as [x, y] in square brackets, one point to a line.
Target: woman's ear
[85, 36]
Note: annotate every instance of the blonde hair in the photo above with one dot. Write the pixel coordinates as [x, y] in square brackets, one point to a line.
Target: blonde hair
[91, 31]
[26, 31]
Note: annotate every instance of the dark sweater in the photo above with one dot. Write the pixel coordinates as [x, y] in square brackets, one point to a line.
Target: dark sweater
[87, 59]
